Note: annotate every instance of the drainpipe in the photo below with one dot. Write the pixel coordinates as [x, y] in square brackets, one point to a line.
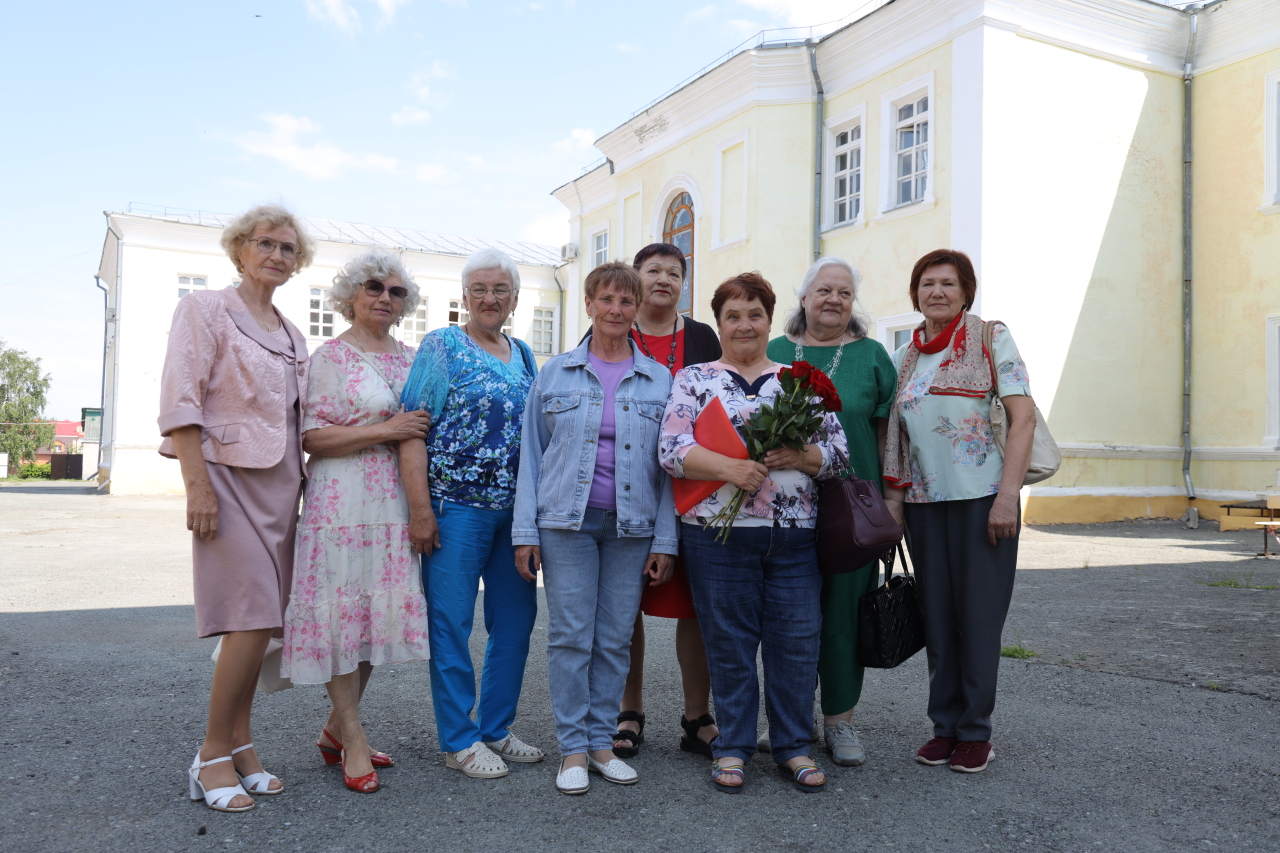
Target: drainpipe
[1186, 255]
[102, 394]
[109, 318]
[817, 150]
[555, 276]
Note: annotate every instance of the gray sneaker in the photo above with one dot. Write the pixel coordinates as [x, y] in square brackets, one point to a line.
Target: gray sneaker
[842, 743]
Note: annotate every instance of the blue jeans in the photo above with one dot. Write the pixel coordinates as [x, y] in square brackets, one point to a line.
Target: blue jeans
[475, 543]
[593, 579]
[760, 590]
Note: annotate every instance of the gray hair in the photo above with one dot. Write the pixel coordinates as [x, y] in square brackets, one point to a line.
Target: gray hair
[377, 263]
[491, 259]
[796, 320]
[242, 227]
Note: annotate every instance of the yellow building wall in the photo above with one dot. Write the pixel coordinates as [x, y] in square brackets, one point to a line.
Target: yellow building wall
[885, 252]
[1236, 262]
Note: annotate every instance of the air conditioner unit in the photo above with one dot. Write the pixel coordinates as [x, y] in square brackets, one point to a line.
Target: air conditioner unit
[569, 252]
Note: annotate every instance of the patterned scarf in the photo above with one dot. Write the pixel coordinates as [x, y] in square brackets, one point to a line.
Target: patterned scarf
[964, 372]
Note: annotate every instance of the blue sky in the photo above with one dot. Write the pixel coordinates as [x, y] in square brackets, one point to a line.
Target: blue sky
[456, 116]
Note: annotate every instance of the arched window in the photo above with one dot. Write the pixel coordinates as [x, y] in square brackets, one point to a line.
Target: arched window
[678, 230]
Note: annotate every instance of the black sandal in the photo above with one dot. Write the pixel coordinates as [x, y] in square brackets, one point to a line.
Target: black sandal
[690, 742]
[634, 738]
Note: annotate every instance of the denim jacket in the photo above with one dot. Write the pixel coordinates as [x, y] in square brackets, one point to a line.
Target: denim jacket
[558, 451]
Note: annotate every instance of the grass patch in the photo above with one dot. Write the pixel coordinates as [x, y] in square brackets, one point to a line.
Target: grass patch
[1236, 583]
[1211, 685]
[1018, 651]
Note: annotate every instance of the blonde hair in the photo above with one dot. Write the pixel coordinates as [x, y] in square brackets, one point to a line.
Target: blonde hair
[242, 227]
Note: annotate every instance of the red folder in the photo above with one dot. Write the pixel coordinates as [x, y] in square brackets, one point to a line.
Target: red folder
[714, 431]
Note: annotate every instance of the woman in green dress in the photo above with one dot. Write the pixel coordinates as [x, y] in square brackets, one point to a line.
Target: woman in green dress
[825, 331]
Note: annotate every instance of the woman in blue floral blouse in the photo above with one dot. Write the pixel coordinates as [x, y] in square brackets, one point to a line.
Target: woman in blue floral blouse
[461, 484]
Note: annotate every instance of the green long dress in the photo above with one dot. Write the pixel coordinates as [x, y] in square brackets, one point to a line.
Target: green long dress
[866, 382]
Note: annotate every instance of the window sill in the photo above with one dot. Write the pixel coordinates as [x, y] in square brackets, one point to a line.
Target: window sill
[907, 210]
[1269, 209]
[724, 247]
[851, 226]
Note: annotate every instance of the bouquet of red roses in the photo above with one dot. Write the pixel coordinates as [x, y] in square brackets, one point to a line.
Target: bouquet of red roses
[790, 421]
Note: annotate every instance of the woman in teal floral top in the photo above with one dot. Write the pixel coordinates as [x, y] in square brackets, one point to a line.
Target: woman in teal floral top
[959, 497]
[461, 483]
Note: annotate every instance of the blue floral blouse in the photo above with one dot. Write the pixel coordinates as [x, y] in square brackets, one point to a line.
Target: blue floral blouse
[476, 403]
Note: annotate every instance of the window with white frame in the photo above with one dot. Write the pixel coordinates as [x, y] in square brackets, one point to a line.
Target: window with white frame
[188, 283]
[847, 187]
[895, 330]
[911, 152]
[542, 336]
[414, 327]
[320, 323]
[1271, 144]
[457, 313]
[599, 248]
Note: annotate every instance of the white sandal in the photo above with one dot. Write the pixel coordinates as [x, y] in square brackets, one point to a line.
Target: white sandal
[257, 783]
[217, 798]
[572, 780]
[614, 770]
[511, 748]
[484, 764]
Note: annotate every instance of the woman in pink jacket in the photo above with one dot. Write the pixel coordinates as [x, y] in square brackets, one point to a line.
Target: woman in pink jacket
[234, 376]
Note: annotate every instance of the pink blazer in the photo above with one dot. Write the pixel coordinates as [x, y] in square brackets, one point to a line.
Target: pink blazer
[224, 374]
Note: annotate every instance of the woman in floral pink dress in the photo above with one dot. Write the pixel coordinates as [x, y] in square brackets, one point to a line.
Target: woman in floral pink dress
[357, 594]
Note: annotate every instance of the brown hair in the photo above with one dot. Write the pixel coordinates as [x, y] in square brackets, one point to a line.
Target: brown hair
[614, 274]
[964, 269]
[748, 286]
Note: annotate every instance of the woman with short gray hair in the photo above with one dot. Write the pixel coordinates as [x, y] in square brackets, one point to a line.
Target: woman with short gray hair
[357, 597]
[473, 380]
[828, 331]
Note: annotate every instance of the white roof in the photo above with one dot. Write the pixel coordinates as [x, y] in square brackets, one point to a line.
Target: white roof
[531, 254]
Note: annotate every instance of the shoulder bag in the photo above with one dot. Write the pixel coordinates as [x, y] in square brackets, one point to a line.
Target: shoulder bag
[1046, 458]
[890, 619]
[854, 526]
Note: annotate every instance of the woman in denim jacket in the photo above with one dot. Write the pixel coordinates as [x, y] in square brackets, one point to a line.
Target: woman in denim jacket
[593, 505]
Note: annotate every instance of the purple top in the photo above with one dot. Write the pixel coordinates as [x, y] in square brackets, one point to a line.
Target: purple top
[604, 494]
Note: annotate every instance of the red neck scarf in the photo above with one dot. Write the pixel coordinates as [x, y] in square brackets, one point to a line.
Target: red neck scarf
[940, 342]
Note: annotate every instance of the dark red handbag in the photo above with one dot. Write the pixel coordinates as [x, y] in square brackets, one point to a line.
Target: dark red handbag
[854, 525]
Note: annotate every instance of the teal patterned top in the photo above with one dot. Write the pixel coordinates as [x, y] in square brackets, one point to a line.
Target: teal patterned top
[476, 403]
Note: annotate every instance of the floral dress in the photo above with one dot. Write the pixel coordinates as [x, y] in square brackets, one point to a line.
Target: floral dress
[787, 498]
[357, 592]
[954, 456]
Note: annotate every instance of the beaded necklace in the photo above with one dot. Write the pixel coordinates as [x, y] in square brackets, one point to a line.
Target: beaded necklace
[671, 357]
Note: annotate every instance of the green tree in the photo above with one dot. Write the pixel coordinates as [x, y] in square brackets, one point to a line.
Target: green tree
[22, 399]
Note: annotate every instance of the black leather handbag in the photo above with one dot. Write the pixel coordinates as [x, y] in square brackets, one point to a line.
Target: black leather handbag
[890, 619]
[854, 526]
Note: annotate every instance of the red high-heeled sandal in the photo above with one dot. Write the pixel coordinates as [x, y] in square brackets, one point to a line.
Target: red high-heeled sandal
[366, 784]
[333, 754]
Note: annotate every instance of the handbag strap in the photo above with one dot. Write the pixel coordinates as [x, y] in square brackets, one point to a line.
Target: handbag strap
[888, 559]
[987, 332]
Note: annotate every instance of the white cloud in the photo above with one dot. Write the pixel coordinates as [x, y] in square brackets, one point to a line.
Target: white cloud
[433, 173]
[441, 69]
[342, 15]
[536, 7]
[745, 28]
[409, 114]
[579, 141]
[550, 229]
[702, 13]
[475, 160]
[803, 13]
[628, 47]
[318, 160]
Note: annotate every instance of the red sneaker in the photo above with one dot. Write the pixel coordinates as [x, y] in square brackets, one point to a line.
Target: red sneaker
[971, 756]
[937, 751]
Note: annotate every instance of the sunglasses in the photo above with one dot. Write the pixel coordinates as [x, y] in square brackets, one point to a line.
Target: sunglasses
[373, 287]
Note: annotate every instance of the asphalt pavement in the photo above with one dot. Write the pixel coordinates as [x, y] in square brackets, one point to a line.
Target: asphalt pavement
[1146, 722]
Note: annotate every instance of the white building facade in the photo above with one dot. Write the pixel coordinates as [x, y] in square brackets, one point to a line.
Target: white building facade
[151, 260]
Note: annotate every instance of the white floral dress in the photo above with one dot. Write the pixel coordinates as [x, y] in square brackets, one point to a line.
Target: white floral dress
[954, 456]
[357, 588]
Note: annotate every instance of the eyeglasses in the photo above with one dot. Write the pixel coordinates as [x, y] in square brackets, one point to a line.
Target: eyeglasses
[373, 287]
[478, 291]
[267, 246]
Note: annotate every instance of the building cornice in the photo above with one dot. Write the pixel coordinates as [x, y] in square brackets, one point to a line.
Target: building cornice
[1235, 31]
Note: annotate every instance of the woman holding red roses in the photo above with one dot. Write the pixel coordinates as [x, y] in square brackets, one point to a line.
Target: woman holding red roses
[826, 331]
[759, 590]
